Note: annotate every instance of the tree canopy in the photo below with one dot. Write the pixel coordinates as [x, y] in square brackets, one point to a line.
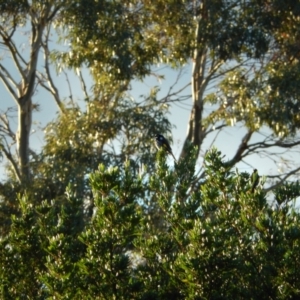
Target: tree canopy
[220, 241]
[94, 212]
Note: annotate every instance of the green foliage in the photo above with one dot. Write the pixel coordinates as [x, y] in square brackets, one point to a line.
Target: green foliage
[79, 140]
[121, 39]
[270, 98]
[155, 232]
[265, 94]
[287, 192]
[217, 241]
[60, 223]
[108, 39]
[281, 99]
[22, 256]
[105, 266]
[13, 12]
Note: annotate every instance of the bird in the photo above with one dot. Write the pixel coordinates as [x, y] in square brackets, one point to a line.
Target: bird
[162, 142]
[254, 179]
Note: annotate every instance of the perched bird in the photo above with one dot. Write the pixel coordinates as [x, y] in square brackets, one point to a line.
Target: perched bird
[162, 142]
[254, 179]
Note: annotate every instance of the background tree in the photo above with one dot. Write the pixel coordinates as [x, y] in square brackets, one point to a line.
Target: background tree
[103, 122]
[245, 50]
[234, 45]
[38, 17]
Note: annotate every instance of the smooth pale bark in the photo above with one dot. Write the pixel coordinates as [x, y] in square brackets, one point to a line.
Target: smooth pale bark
[25, 99]
[25, 90]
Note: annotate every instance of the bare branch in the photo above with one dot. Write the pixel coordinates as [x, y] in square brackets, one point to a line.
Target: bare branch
[52, 88]
[9, 76]
[176, 93]
[241, 149]
[83, 85]
[6, 127]
[10, 158]
[170, 94]
[282, 180]
[8, 82]
[69, 86]
[54, 12]
[226, 70]
[37, 28]
[13, 27]
[215, 128]
[15, 54]
[214, 68]
[252, 148]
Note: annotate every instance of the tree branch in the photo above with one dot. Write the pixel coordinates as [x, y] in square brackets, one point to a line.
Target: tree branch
[69, 86]
[263, 145]
[52, 88]
[282, 180]
[6, 128]
[9, 157]
[15, 54]
[241, 149]
[215, 128]
[8, 82]
[83, 85]
[54, 12]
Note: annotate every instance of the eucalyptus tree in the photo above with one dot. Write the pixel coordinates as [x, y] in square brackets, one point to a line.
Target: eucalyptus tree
[22, 87]
[245, 50]
[82, 136]
[239, 47]
[248, 52]
[37, 21]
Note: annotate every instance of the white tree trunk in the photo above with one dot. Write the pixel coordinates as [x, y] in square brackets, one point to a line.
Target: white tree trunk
[195, 134]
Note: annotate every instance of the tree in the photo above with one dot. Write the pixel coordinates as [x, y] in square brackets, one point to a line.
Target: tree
[247, 51]
[22, 256]
[40, 21]
[220, 241]
[237, 47]
[232, 44]
[60, 224]
[14, 14]
[108, 110]
[111, 234]
[149, 231]
[244, 49]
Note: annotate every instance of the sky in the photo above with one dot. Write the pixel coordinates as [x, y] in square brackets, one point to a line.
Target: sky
[227, 142]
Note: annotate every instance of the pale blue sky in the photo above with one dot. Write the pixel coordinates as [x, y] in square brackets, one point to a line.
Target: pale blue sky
[227, 142]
